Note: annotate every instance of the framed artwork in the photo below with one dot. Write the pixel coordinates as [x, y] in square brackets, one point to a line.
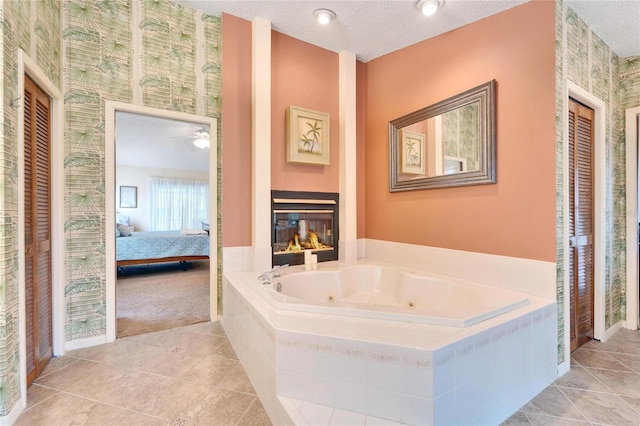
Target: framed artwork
[412, 156]
[129, 197]
[307, 136]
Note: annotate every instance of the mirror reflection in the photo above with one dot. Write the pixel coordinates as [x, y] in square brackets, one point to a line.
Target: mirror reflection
[451, 143]
[442, 145]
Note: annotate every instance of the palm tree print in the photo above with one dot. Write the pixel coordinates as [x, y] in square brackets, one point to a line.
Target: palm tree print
[312, 136]
[413, 153]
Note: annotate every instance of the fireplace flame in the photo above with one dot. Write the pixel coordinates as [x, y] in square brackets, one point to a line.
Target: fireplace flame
[294, 244]
[312, 242]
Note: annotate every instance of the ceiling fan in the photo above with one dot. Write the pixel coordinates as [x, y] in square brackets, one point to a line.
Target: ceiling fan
[201, 138]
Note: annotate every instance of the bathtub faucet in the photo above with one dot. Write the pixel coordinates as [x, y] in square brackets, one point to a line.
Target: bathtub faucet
[266, 277]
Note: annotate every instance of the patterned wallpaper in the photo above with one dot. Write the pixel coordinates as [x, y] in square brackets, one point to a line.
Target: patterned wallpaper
[461, 129]
[31, 26]
[583, 58]
[150, 53]
[630, 82]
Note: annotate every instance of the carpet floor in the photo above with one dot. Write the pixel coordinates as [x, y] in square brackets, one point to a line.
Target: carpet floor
[162, 296]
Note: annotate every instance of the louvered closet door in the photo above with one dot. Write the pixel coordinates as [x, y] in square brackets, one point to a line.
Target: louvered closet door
[581, 222]
[37, 228]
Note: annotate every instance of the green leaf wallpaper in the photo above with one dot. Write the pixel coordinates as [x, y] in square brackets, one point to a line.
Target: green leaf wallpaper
[148, 52]
[142, 52]
[460, 131]
[30, 26]
[630, 82]
[583, 58]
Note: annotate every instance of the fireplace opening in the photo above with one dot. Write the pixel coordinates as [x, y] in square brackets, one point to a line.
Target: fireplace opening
[303, 221]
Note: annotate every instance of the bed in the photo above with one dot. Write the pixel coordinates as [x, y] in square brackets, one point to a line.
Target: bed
[161, 246]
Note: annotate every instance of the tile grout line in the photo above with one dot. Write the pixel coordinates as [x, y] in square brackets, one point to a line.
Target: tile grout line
[40, 402]
[98, 402]
[247, 410]
[574, 405]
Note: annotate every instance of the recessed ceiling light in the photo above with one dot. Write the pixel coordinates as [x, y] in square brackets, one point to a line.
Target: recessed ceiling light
[429, 7]
[324, 16]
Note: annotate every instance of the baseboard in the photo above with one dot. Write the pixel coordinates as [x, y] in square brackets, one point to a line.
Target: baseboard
[13, 415]
[85, 343]
[612, 330]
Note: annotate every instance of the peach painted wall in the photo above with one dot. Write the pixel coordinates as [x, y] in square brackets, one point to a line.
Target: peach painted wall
[236, 131]
[361, 98]
[516, 216]
[306, 76]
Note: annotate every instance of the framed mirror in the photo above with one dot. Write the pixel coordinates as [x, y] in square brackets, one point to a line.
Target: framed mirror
[450, 143]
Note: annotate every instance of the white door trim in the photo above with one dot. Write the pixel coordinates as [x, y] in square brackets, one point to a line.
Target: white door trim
[110, 166]
[27, 66]
[599, 186]
[632, 117]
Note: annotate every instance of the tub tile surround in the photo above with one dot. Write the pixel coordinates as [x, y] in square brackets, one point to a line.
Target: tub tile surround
[402, 372]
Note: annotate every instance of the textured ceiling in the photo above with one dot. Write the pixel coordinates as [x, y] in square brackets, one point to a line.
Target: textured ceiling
[617, 22]
[373, 28]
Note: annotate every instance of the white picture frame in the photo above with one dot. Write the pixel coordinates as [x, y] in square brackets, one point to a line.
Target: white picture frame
[307, 136]
[412, 153]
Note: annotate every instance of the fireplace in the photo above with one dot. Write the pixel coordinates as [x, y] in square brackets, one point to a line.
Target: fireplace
[303, 221]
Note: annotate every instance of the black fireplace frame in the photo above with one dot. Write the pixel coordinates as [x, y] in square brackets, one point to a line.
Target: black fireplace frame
[297, 258]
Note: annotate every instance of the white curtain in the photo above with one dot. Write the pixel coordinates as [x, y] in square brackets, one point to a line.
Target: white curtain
[176, 204]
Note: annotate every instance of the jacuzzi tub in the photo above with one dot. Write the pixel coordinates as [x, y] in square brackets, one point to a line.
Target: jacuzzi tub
[300, 350]
[376, 291]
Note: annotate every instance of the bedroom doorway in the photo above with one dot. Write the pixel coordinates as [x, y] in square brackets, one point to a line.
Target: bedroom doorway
[161, 196]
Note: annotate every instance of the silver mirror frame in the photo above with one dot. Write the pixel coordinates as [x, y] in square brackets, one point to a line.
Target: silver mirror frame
[485, 95]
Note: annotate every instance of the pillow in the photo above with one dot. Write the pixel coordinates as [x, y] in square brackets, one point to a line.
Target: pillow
[124, 230]
[123, 219]
[117, 231]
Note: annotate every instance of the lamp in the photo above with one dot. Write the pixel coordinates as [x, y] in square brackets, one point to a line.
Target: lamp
[201, 143]
[429, 7]
[324, 16]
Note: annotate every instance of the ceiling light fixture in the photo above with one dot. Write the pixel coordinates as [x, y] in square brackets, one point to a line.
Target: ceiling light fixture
[324, 16]
[201, 143]
[429, 7]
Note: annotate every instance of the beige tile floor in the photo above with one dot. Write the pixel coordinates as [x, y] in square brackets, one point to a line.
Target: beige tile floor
[191, 376]
[602, 387]
[184, 376]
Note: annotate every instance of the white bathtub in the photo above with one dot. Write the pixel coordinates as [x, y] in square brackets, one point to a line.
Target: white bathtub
[394, 369]
[391, 293]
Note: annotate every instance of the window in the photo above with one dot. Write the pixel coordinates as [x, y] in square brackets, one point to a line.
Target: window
[176, 204]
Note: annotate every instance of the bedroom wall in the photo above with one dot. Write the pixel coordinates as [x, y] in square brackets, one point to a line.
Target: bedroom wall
[146, 53]
[139, 177]
[514, 217]
[35, 27]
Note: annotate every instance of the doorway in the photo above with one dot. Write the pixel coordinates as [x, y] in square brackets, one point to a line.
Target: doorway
[37, 233]
[111, 111]
[162, 191]
[27, 68]
[632, 139]
[581, 223]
